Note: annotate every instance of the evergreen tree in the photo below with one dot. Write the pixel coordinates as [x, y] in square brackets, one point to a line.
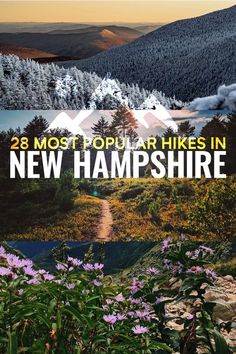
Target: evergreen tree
[59, 133]
[185, 129]
[36, 129]
[214, 128]
[169, 133]
[230, 125]
[123, 120]
[101, 128]
[133, 136]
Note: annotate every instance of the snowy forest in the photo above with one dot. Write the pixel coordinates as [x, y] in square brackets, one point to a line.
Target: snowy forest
[26, 84]
[187, 58]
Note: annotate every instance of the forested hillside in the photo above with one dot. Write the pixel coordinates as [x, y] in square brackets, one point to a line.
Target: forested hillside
[187, 58]
[25, 84]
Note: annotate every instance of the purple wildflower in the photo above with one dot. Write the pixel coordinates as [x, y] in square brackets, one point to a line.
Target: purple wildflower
[178, 268]
[2, 252]
[42, 271]
[136, 285]
[144, 315]
[131, 314]
[5, 271]
[159, 300]
[121, 317]
[134, 301]
[20, 292]
[165, 245]
[88, 267]
[30, 271]
[48, 276]
[194, 270]
[111, 319]
[61, 267]
[98, 266]
[70, 286]
[15, 262]
[210, 273]
[75, 262]
[139, 329]
[120, 298]
[152, 271]
[167, 264]
[97, 282]
[206, 249]
[33, 281]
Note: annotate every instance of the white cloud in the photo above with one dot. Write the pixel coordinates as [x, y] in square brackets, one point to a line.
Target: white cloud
[225, 98]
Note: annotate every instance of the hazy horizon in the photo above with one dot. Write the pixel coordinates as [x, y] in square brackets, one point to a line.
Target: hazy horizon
[106, 12]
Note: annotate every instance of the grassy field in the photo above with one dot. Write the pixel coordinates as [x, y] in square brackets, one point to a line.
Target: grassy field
[148, 209]
[45, 222]
[141, 209]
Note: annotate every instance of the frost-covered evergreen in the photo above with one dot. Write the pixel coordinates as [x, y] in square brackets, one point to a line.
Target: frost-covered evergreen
[25, 84]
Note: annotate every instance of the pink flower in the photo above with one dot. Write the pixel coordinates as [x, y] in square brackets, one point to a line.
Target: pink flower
[15, 262]
[134, 301]
[120, 298]
[48, 276]
[97, 283]
[5, 271]
[29, 271]
[75, 262]
[88, 267]
[121, 317]
[190, 317]
[210, 273]
[33, 281]
[111, 319]
[98, 266]
[159, 300]
[207, 249]
[131, 314]
[165, 245]
[2, 252]
[109, 301]
[42, 271]
[136, 285]
[139, 329]
[20, 292]
[152, 271]
[167, 264]
[143, 315]
[61, 267]
[194, 270]
[70, 286]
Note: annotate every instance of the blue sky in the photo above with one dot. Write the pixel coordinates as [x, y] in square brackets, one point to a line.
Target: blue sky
[14, 119]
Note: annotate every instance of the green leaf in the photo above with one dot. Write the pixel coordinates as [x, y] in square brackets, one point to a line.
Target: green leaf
[221, 345]
[12, 343]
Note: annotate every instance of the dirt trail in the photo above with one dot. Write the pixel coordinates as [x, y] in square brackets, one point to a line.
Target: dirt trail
[106, 221]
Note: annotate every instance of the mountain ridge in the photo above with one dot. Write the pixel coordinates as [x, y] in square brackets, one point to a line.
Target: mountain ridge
[198, 52]
[73, 43]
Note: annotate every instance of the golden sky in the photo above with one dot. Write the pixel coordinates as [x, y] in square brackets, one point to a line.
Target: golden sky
[110, 11]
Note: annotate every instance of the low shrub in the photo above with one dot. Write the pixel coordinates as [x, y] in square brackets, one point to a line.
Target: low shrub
[131, 193]
[65, 200]
[184, 189]
[154, 210]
